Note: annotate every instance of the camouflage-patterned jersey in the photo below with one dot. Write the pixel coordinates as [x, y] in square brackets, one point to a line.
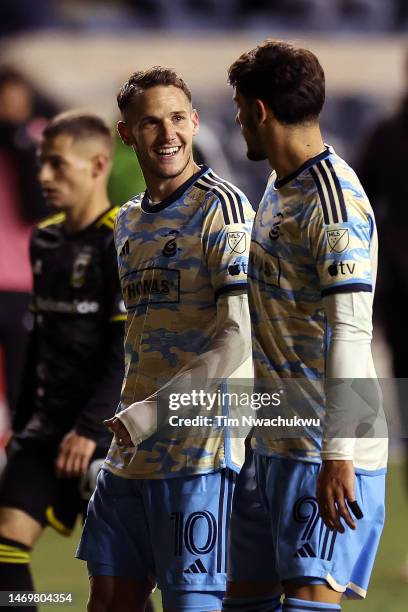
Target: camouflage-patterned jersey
[175, 259]
[314, 235]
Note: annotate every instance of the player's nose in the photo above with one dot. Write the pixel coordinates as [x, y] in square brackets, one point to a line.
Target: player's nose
[168, 132]
[45, 173]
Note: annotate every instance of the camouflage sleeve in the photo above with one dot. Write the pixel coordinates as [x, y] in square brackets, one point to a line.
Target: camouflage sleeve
[344, 249]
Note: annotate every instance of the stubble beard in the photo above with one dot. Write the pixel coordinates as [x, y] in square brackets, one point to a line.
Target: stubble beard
[252, 153]
[175, 174]
[256, 155]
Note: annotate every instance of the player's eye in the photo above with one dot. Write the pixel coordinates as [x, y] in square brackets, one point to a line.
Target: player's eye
[149, 123]
[178, 118]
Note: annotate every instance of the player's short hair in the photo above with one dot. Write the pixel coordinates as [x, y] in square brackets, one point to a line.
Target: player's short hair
[145, 79]
[80, 126]
[289, 79]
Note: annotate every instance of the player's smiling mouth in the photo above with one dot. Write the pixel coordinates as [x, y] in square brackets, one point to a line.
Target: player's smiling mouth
[167, 152]
[49, 193]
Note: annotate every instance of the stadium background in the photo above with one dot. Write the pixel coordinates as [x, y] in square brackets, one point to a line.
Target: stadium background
[77, 53]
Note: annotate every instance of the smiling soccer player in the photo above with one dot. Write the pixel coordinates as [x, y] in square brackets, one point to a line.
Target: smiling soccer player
[161, 508]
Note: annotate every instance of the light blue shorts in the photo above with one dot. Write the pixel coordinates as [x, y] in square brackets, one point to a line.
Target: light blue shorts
[276, 532]
[171, 531]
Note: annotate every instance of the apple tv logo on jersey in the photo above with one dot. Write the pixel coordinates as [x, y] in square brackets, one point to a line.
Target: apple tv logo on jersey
[234, 269]
[333, 269]
[341, 268]
[237, 267]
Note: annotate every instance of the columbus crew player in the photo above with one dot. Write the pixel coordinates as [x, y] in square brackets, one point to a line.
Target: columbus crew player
[311, 274]
[182, 252]
[74, 367]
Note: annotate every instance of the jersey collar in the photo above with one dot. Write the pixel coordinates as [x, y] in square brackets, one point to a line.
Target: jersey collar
[153, 208]
[310, 162]
[88, 227]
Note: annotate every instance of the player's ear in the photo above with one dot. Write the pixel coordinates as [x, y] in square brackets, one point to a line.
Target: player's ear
[124, 133]
[100, 164]
[196, 122]
[261, 111]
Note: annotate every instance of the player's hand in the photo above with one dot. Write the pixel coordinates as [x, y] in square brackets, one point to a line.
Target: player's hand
[74, 455]
[335, 489]
[122, 436]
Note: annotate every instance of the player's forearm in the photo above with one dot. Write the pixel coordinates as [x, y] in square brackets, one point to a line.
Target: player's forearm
[229, 348]
[349, 358]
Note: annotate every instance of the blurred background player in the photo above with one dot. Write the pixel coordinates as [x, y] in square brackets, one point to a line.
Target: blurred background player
[311, 279]
[23, 114]
[182, 250]
[74, 367]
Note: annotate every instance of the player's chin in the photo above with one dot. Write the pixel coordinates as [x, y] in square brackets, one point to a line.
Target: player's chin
[54, 203]
[256, 155]
[58, 205]
[170, 170]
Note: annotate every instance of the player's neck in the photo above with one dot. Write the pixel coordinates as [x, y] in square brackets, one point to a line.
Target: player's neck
[160, 189]
[292, 147]
[77, 218]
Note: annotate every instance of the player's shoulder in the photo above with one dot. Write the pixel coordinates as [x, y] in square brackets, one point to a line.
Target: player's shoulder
[130, 208]
[333, 188]
[107, 220]
[50, 227]
[52, 221]
[102, 230]
[224, 197]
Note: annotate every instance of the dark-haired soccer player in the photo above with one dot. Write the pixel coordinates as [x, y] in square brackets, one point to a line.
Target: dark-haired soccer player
[75, 364]
[311, 280]
[161, 507]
